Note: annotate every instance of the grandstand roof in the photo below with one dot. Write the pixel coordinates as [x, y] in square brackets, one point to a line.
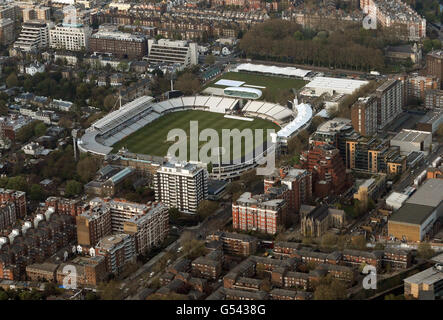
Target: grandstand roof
[304, 115]
[121, 114]
[340, 85]
[282, 71]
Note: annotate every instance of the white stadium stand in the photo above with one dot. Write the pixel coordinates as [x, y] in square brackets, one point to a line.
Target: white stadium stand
[273, 70]
[99, 138]
[304, 116]
[138, 113]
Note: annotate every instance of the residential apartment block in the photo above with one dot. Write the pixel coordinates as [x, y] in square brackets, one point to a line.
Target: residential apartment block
[434, 99]
[327, 168]
[235, 243]
[118, 250]
[70, 37]
[398, 16]
[298, 183]
[419, 85]
[7, 33]
[181, 186]
[34, 35]
[37, 13]
[364, 115]
[434, 65]
[16, 197]
[258, 213]
[119, 44]
[170, 51]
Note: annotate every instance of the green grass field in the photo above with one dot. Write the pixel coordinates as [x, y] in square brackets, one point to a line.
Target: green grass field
[271, 83]
[275, 85]
[151, 139]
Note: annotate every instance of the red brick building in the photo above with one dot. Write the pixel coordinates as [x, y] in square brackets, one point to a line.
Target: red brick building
[258, 213]
[327, 168]
[17, 197]
[66, 206]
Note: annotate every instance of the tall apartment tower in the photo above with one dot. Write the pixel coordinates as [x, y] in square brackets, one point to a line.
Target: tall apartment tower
[390, 101]
[364, 115]
[434, 64]
[181, 186]
[6, 31]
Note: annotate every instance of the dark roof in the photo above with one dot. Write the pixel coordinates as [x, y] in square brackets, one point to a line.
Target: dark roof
[283, 292]
[412, 213]
[284, 244]
[319, 213]
[407, 48]
[215, 186]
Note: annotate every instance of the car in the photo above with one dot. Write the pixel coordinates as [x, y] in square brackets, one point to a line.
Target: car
[151, 274]
[180, 249]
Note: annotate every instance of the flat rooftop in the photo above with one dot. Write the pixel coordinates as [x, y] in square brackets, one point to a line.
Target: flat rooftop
[412, 214]
[411, 135]
[340, 85]
[428, 276]
[429, 194]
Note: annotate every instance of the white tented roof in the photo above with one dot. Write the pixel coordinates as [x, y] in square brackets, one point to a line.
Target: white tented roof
[281, 71]
[229, 83]
[339, 85]
[304, 115]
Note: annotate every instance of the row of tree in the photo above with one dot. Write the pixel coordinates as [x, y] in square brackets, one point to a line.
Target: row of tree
[288, 42]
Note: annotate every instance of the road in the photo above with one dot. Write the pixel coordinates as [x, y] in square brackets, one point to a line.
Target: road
[409, 179]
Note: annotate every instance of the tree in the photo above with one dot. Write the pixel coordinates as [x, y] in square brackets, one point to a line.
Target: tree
[358, 242]
[12, 80]
[65, 122]
[17, 183]
[3, 182]
[439, 131]
[3, 108]
[36, 192]
[73, 188]
[194, 248]
[425, 250]
[174, 214]
[210, 59]
[206, 208]
[122, 66]
[86, 168]
[188, 83]
[25, 133]
[330, 289]
[91, 296]
[109, 291]
[109, 102]
[40, 129]
[329, 240]
[3, 295]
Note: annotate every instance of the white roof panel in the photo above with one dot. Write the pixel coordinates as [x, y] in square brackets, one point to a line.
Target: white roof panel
[229, 83]
[281, 71]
